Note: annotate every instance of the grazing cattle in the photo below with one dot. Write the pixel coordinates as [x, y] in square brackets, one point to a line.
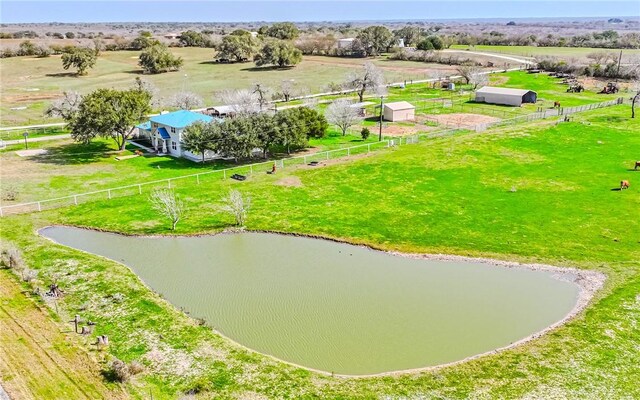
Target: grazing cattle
[637, 165]
[556, 104]
[624, 185]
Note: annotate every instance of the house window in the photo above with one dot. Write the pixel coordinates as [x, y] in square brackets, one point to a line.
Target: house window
[174, 145]
[173, 130]
[155, 125]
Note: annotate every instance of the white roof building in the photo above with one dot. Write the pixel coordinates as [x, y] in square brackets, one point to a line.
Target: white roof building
[505, 96]
[399, 111]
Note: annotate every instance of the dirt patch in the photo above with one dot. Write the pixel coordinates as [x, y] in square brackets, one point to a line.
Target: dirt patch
[29, 97]
[389, 129]
[289, 181]
[460, 119]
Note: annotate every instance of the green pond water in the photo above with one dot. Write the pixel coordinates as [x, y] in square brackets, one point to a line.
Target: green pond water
[337, 307]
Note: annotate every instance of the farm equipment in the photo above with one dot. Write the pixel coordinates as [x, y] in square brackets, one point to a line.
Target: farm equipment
[575, 88]
[610, 88]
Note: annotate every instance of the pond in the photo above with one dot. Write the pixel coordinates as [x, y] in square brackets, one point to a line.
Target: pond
[337, 307]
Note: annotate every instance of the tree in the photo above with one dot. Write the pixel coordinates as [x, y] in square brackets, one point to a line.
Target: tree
[65, 106]
[70, 35]
[282, 30]
[365, 133]
[279, 53]
[194, 39]
[410, 34]
[80, 58]
[109, 113]
[158, 58]
[167, 204]
[242, 101]
[236, 205]
[370, 79]
[468, 71]
[288, 89]
[143, 41]
[185, 100]
[374, 40]
[290, 130]
[236, 48]
[238, 138]
[146, 86]
[261, 94]
[263, 125]
[431, 43]
[200, 137]
[314, 123]
[478, 80]
[341, 114]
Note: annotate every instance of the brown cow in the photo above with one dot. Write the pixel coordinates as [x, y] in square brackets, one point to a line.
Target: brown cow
[624, 185]
[637, 165]
[556, 104]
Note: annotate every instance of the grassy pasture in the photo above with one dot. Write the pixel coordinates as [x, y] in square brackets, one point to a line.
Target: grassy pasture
[534, 51]
[538, 192]
[32, 82]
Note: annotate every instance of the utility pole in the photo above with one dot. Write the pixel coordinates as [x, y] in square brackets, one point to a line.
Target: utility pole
[26, 134]
[381, 114]
[619, 61]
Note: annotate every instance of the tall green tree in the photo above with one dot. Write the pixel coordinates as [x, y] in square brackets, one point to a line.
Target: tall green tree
[279, 53]
[238, 138]
[282, 30]
[109, 113]
[158, 58]
[374, 40]
[290, 131]
[200, 137]
[236, 48]
[410, 34]
[80, 58]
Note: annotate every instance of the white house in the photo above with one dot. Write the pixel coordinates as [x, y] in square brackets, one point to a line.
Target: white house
[164, 131]
[346, 43]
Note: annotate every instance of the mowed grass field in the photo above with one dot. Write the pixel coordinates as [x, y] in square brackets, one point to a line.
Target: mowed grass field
[540, 192]
[562, 52]
[33, 82]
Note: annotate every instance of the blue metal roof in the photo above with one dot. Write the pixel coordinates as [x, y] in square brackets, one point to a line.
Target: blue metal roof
[145, 125]
[180, 119]
[163, 133]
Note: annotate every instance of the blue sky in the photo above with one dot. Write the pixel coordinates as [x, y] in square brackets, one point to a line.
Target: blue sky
[302, 10]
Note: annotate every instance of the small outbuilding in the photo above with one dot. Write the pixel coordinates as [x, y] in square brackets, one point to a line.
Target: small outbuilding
[399, 111]
[505, 96]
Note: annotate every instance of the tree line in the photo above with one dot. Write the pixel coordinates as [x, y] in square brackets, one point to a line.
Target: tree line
[239, 137]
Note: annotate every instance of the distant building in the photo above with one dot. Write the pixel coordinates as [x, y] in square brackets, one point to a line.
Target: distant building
[172, 36]
[164, 131]
[505, 96]
[254, 34]
[399, 111]
[346, 43]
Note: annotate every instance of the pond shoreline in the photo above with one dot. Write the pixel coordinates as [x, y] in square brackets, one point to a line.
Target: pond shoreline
[587, 281]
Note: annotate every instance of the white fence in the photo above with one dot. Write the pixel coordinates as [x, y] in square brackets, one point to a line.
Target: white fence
[198, 178]
[249, 169]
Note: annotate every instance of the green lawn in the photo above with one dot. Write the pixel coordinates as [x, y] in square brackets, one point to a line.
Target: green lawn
[541, 192]
[533, 51]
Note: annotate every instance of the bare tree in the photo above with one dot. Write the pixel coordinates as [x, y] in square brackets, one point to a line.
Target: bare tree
[369, 80]
[479, 80]
[242, 101]
[289, 88]
[261, 94]
[145, 85]
[167, 204]
[342, 114]
[467, 71]
[65, 106]
[236, 205]
[186, 100]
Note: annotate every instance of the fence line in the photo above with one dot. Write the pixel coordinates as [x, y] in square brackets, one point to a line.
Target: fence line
[110, 193]
[134, 189]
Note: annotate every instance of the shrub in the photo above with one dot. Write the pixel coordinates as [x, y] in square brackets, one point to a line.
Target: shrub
[118, 371]
[365, 133]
